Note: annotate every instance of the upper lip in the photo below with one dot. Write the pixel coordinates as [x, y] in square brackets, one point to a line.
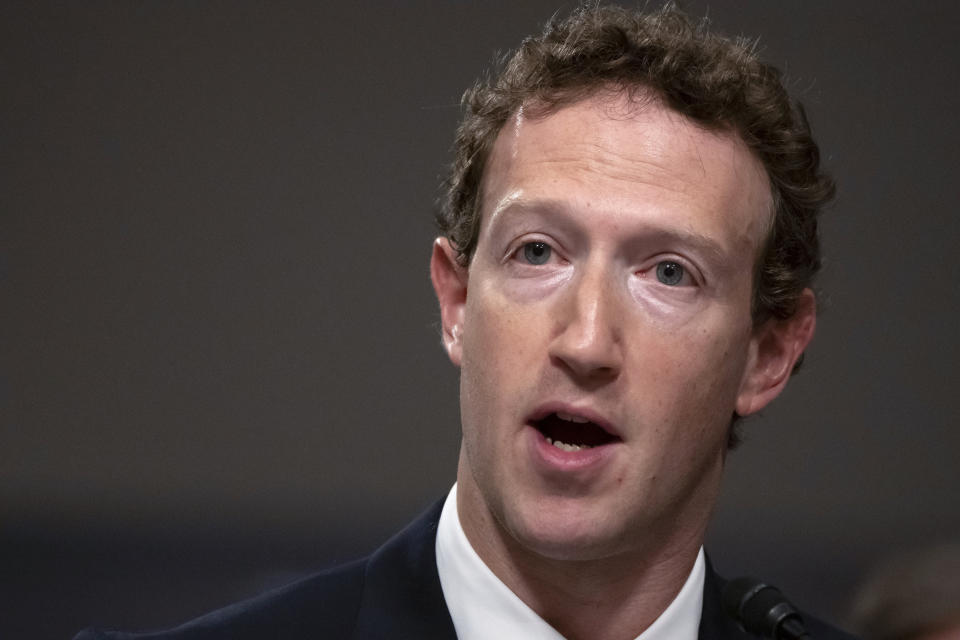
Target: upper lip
[554, 406]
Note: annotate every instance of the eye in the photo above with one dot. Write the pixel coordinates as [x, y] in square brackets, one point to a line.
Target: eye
[537, 252]
[670, 273]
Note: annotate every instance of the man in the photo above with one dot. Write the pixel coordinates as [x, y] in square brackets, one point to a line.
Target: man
[628, 243]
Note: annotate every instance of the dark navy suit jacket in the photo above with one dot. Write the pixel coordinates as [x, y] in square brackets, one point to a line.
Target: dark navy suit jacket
[394, 594]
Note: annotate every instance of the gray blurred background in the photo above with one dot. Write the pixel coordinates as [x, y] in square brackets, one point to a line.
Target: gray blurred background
[219, 355]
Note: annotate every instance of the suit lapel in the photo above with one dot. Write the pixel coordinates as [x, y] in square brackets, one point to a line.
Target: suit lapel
[715, 624]
[402, 597]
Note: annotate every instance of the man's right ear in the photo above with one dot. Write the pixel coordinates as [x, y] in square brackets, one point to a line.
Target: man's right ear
[450, 284]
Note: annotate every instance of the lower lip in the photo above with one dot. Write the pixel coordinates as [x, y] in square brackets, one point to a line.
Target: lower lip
[554, 459]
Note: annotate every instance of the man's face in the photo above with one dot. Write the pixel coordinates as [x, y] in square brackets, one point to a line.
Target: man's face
[604, 332]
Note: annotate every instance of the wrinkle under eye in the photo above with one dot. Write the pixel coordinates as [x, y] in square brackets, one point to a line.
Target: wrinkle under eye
[536, 252]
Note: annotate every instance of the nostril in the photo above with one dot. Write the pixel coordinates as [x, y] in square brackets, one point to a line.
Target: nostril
[586, 372]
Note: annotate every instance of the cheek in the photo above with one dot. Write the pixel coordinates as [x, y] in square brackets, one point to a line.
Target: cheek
[691, 374]
[502, 329]
[497, 374]
[500, 341]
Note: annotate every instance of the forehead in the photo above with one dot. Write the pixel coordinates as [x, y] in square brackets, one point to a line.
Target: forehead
[632, 156]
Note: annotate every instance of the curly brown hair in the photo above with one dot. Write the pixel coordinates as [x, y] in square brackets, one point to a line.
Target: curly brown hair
[715, 81]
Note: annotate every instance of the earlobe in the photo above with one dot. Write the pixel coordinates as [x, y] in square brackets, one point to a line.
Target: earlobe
[450, 284]
[774, 350]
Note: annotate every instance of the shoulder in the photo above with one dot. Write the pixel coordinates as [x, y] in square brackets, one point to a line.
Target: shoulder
[394, 593]
[323, 605]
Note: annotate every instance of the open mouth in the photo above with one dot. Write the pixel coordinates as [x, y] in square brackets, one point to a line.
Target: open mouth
[572, 433]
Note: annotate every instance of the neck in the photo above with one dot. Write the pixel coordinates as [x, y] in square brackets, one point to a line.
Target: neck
[615, 597]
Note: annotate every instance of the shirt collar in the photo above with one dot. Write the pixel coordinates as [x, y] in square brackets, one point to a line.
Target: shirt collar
[482, 606]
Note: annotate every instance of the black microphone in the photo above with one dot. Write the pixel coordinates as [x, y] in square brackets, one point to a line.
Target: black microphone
[761, 609]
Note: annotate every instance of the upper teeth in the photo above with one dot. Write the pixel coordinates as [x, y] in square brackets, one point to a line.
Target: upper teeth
[571, 418]
[568, 447]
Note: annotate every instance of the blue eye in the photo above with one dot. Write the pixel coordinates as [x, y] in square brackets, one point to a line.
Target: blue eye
[669, 273]
[537, 252]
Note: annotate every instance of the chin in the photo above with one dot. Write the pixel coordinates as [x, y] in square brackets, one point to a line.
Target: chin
[565, 533]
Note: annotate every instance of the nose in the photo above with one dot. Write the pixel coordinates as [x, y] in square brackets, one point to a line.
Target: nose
[588, 338]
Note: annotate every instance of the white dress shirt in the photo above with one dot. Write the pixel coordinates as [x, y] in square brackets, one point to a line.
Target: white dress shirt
[482, 607]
